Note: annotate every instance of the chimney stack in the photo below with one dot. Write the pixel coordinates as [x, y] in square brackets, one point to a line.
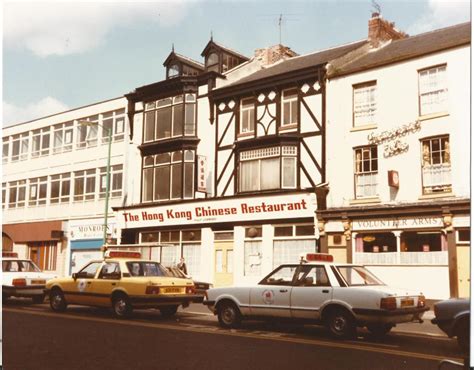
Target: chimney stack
[381, 31]
[273, 54]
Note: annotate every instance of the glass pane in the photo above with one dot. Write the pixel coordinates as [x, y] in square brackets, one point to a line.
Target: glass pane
[230, 260]
[149, 126]
[249, 178]
[162, 185]
[189, 120]
[163, 124]
[178, 120]
[289, 172]
[219, 261]
[177, 181]
[188, 180]
[270, 173]
[148, 184]
[283, 230]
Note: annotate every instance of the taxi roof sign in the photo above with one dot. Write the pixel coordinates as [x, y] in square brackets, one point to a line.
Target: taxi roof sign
[122, 254]
[10, 254]
[319, 257]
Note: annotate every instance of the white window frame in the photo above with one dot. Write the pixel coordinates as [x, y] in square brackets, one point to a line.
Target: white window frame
[365, 179]
[62, 179]
[34, 190]
[433, 90]
[436, 177]
[247, 116]
[40, 135]
[6, 153]
[364, 108]
[116, 172]
[85, 175]
[65, 133]
[287, 103]
[19, 185]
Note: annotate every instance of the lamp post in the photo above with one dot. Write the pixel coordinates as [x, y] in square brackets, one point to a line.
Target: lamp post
[107, 172]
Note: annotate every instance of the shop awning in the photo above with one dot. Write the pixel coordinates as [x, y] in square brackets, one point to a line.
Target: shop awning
[33, 231]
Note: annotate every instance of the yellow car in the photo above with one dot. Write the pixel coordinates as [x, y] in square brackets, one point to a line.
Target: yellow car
[124, 281]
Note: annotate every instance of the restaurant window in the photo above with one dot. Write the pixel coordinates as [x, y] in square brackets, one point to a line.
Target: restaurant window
[247, 115]
[463, 236]
[43, 254]
[60, 188]
[365, 171]
[433, 90]
[268, 168]
[115, 178]
[62, 137]
[40, 142]
[168, 176]
[38, 191]
[376, 243]
[292, 241]
[423, 241]
[289, 107]
[84, 185]
[364, 104]
[253, 251]
[436, 165]
[170, 117]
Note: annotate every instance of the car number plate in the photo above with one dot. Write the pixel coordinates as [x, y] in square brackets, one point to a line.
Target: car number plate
[38, 281]
[173, 290]
[407, 302]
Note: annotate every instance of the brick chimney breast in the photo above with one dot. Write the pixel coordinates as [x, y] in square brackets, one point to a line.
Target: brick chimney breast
[381, 30]
[273, 54]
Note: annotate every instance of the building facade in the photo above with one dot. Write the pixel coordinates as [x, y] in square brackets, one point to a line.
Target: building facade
[54, 183]
[399, 198]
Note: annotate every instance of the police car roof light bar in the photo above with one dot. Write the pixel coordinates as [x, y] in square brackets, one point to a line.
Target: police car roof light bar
[320, 257]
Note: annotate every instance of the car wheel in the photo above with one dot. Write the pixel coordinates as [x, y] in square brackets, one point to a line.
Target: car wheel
[229, 315]
[57, 302]
[462, 333]
[38, 299]
[122, 306]
[168, 311]
[340, 324]
[379, 330]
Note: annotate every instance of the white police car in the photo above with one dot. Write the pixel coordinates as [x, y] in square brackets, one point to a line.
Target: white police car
[22, 278]
[316, 290]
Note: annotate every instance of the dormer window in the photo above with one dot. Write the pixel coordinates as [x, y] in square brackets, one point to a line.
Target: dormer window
[173, 70]
[212, 62]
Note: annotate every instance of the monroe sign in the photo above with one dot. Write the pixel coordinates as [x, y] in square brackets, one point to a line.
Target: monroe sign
[245, 209]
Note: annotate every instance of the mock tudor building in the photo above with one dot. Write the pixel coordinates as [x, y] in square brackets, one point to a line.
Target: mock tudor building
[54, 184]
[399, 173]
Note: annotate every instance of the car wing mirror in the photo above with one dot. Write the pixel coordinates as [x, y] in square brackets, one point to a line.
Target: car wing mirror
[74, 275]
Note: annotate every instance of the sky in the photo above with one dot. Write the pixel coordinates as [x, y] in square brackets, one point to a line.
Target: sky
[60, 55]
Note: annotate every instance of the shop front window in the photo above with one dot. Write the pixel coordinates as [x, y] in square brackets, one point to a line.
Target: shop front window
[376, 243]
[292, 241]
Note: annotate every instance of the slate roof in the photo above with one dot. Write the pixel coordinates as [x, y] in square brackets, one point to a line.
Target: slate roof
[299, 63]
[411, 47]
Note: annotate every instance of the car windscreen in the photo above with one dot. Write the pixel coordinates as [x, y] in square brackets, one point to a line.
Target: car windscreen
[142, 268]
[358, 276]
[19, 266]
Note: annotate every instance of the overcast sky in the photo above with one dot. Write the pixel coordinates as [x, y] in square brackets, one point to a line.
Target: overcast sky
[63, 54]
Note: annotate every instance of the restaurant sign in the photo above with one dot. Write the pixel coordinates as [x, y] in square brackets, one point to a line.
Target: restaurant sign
[234, 210]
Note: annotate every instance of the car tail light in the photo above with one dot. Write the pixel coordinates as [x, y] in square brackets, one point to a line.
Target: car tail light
[19, 282]
[389, 303]
[190, 290]
[421, 301]
[152, 289]
[205, 295]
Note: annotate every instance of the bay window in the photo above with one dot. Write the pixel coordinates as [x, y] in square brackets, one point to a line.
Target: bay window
[365, 171]
[268, 168]
[168, 176]
[436, 165]
[170, 117]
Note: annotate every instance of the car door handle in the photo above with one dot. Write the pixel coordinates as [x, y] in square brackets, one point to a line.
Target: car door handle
[283, 290]
[325, 291]
[114, 284]
[88, 283]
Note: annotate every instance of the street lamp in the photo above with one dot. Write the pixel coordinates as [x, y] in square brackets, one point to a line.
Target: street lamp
[107, 175]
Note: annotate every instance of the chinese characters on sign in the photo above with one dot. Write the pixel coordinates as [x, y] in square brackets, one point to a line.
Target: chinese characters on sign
[202, 170]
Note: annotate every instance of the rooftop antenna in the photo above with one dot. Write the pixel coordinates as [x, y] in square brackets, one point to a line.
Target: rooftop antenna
[376, 7]
[282, 19]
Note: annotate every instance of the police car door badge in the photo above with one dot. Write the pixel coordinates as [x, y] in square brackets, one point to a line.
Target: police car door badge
[268, 296]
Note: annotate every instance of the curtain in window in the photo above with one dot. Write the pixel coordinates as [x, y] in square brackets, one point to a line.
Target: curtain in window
[359, 244]
[168, 255]
[249, 175]
[270, 174]
[252, 258]
[192, 258]
[289, 251]
[444, 242]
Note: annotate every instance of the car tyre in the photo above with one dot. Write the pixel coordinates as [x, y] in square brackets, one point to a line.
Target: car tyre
[379, 330]
[229, 315]
[122, 306]
[168, 311]
[38, 299]
[341, 324]
[462, 334]
[57, 302]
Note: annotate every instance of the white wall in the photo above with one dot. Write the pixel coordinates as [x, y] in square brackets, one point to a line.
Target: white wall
[397, 105]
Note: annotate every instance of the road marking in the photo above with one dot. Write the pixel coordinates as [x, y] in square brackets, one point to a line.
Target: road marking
[235, 333]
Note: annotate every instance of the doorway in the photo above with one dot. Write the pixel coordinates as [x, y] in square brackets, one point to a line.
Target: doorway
[223, 263]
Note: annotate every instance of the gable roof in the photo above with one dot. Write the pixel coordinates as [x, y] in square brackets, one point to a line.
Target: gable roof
[299, 63]
[222, 47]
[407, 48]
[175, 56]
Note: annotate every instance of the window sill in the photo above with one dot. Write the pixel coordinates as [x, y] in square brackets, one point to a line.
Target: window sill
[432, 116]
[437, 195]
[365, 200]
[245, 134]
[291, 127]
[363, 128]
